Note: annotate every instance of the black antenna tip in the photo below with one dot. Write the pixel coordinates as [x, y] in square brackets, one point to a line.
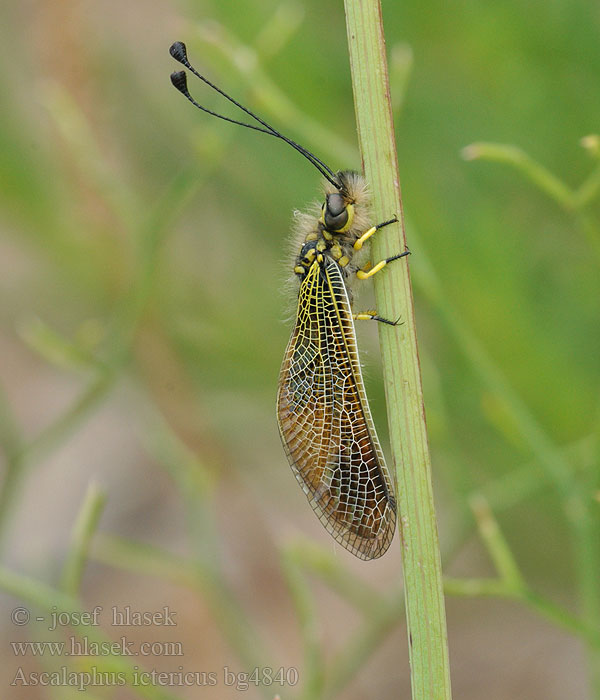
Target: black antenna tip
[179, 80]
[179, 52]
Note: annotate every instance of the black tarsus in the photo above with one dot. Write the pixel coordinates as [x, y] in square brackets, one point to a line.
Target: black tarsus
[386, 320]
[179, 52]
[387, 223]
[397, 257]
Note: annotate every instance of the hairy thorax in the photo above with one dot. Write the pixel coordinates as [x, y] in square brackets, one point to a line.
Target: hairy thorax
[332, 230]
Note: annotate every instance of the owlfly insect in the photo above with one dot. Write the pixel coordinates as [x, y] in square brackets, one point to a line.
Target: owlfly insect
[322, 410]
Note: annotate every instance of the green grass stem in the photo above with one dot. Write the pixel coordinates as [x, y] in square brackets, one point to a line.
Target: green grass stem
[429, 661]
[83, 532]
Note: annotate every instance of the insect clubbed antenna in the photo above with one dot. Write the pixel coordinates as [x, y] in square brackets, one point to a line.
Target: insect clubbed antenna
[179, 80]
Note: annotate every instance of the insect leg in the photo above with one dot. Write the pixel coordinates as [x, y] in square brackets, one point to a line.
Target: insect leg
[373, 316]
[367, 234]
[365, 274]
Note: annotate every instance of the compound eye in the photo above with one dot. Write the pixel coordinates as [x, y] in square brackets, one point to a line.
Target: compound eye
[335, 204]
[336, 213]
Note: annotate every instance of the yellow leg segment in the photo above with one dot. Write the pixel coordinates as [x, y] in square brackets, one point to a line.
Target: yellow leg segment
[364, 238]
[366, 273]
[367, 234]
[373, 316]
[365, 316]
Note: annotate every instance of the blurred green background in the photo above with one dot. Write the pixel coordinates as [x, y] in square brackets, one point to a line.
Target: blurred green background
[143, 259]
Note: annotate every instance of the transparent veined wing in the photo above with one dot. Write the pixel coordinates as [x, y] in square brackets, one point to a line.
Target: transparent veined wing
[325, 421]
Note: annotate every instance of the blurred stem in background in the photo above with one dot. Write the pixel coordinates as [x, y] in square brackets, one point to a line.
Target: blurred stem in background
[105, 366]
[575, 489]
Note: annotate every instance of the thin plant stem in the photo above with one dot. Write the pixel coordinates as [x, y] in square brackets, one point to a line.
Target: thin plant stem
[572, 201]
[543, 178]
[429, 660]
[322, 563]
[83, 531]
